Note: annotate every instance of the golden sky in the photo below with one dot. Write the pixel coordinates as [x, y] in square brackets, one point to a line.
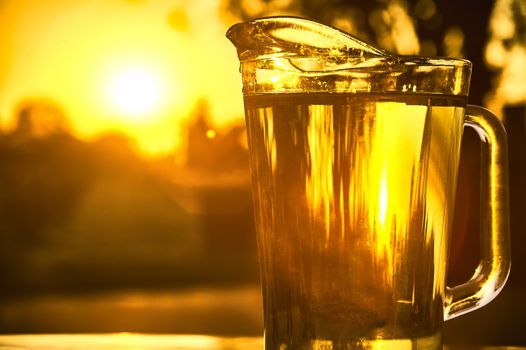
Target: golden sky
[136, 66]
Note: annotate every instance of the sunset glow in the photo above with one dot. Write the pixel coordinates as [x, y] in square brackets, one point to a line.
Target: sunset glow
[136, 93]
[133, 67]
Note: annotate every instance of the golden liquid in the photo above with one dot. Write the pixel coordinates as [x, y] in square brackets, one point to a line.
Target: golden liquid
[354, 196]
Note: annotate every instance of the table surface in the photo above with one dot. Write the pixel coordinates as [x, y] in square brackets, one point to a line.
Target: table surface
[132, 341]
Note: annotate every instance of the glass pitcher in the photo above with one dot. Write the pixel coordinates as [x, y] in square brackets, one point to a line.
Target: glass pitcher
[354, 156]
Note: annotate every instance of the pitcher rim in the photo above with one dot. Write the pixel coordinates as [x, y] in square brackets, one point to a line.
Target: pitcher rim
[381, 54]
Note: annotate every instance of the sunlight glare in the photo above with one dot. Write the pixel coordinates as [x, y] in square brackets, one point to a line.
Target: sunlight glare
[143, 67]
[135, 92]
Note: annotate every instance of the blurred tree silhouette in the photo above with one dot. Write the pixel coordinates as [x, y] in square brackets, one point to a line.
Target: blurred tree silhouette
[81, 216]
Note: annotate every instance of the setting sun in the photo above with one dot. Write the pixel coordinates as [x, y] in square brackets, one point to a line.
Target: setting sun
[136, 93]
[139, 72]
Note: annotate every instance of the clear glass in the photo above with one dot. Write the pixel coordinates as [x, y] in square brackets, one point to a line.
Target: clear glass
[354, 155]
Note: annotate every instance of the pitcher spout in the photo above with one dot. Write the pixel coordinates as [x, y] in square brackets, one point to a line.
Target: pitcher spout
[293, 36]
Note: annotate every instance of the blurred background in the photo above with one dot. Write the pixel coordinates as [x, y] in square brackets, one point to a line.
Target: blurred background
[125, 201]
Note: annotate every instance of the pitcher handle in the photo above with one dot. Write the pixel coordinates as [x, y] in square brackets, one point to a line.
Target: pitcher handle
[495, 257]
